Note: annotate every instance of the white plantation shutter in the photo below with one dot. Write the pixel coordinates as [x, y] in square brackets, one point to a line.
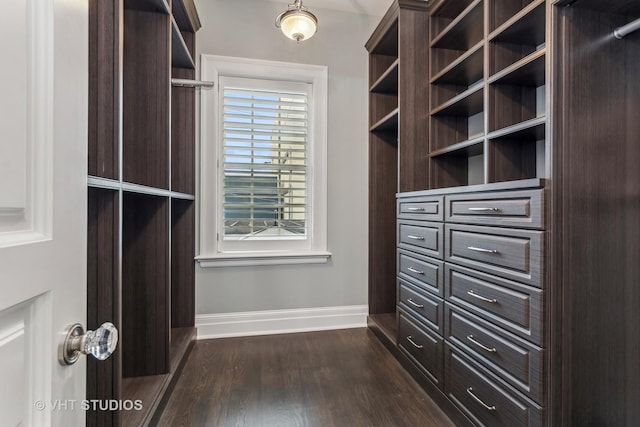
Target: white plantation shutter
[264, 162]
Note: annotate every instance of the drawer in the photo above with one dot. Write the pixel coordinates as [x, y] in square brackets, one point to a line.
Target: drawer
[425, 208]
[425, 237]
[508, 253]
[484, 398]
[426, 308]
[421, 271]
[513, 359]
[422, 345]
[510, 305]
[506, 208]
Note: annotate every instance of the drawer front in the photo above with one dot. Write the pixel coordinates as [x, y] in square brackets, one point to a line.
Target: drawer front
[426, 308]
[513, 254]
[507, 208]
[424, 346]
[425, 208]
[425, 237]
[424, 272]
[515, 360]
[510, 305]
[484, 398]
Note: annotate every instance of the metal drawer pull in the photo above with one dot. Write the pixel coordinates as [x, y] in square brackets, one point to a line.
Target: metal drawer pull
[416, 209]
[481, 298]
[413, 270]
[415, 237]
[484, 209]
[413, 343]
[477, 399]
[482, 346]
[410, 301]
[486, 251]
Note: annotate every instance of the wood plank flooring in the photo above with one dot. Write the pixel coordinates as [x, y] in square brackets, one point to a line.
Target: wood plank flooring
[342, 378]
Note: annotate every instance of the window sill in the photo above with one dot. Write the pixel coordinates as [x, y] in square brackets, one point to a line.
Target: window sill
[250, 259]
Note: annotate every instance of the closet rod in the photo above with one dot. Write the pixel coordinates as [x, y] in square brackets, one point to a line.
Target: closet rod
[191, 83]
[619, 33]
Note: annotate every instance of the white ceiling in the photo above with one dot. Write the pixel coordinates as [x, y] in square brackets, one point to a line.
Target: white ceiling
[365, 7]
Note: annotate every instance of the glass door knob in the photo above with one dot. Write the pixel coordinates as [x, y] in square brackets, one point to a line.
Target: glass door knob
[100, 343]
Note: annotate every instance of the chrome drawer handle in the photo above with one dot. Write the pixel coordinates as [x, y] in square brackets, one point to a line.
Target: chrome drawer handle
[415, 237]
[477, 399]
[413, 343]
[410, 301]
[485, 251]
[413, 270]
[484, 209]
[416, 209]
[481, 298]
[482, 346]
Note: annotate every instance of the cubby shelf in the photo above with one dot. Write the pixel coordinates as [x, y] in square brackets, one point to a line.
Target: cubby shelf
[533, 129]
[526, 27]
[388, 81]
[529, 71]
[465, 70]
[471, 147]
[180, 55]
[464, 31]
[468, 103]
[387, 123]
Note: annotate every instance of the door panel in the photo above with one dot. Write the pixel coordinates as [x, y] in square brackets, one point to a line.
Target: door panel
[43, 201]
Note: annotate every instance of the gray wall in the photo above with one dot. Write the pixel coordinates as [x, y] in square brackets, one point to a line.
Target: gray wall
[339, 44]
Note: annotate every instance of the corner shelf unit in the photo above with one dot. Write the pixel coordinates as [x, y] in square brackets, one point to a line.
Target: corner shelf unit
[141, 183]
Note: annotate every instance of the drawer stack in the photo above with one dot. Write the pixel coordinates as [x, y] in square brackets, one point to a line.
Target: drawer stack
[421, 283]
[472, 285]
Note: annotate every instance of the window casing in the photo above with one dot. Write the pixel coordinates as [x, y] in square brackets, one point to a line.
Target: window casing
[263, 163]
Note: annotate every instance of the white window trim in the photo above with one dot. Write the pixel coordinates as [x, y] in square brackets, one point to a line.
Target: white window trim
[210, 255]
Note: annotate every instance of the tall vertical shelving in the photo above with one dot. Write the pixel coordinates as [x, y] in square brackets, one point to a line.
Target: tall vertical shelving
[398, 134]
[141, 199]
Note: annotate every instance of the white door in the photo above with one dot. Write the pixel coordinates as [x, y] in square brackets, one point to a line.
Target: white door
[43, 207]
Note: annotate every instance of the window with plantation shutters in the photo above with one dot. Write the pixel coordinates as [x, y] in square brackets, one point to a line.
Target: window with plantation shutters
[264, 161]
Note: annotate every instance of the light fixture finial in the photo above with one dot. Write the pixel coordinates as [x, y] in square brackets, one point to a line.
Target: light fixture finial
[297, 23]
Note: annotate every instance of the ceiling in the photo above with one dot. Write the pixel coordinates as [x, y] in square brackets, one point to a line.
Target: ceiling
[365, 7]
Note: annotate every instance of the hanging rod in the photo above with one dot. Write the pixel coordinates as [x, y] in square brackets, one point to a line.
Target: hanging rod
[191, 83]
[620, 32]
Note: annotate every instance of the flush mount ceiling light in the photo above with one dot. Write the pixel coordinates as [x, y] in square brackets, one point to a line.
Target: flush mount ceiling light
[297, 22]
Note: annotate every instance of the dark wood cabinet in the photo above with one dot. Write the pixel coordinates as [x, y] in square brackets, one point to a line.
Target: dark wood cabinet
[528, 160]
[141, 232]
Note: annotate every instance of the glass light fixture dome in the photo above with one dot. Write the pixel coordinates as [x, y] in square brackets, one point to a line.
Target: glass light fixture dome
[297, 22]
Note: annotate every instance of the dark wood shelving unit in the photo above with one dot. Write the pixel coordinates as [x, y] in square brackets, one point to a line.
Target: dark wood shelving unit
[532, 138]
[142, 209]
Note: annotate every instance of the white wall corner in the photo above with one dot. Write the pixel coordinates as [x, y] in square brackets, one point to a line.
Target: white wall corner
[280, 321]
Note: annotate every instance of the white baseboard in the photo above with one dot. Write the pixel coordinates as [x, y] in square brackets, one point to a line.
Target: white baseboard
[280, 321]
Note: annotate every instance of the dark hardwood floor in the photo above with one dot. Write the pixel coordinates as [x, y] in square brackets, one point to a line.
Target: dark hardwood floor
[342, 378]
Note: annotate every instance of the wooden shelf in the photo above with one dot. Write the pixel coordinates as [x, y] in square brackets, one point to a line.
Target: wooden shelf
[449, 8]
[388, 81]
[465, 70]
[153, 391]
[533, 129]
[465, 31]
[186, 15]
[527, 27]
[472, 147]
[529, 71]
[468, 103]
[180, 55]
[387, 123]
[387, 43]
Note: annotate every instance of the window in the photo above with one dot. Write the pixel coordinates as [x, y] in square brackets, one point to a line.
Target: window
[263, 163]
